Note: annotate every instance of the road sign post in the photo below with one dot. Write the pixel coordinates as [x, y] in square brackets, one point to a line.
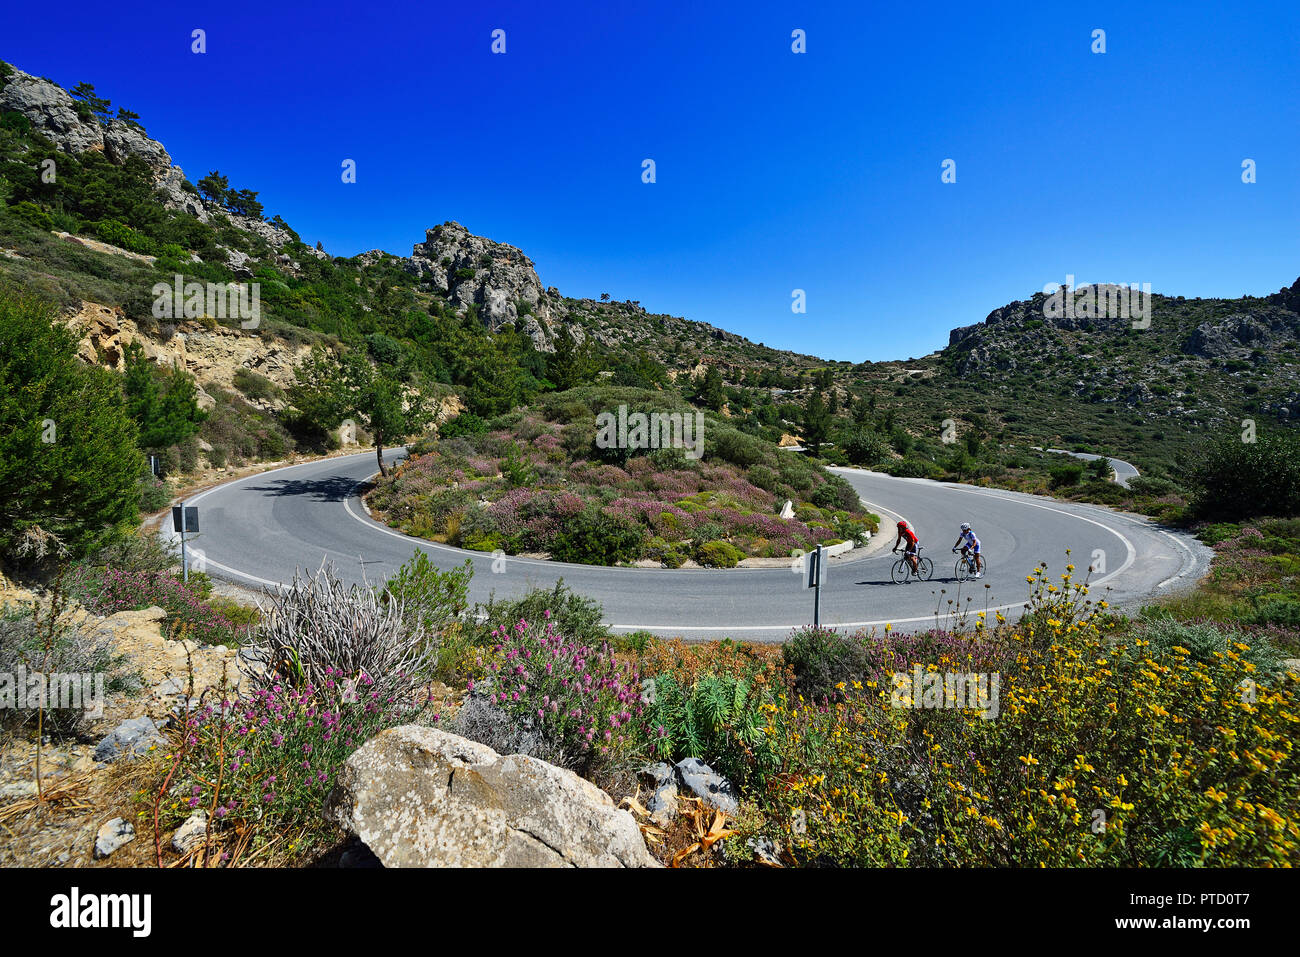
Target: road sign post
[815, 583]
[185, 518]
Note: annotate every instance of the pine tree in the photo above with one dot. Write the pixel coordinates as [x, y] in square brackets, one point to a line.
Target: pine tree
[167, 416]
[816, 422]
[69, 464]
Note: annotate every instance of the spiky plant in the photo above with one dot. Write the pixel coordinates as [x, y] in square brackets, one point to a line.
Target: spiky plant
[322, 631]
[717, 719]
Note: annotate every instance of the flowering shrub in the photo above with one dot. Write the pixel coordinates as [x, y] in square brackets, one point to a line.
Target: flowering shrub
[1103, 751]
[577, 695]
[109, 590]
[266, 762]
[526, 484]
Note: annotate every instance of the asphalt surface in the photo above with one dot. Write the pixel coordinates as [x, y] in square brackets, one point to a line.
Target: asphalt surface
[258, 530]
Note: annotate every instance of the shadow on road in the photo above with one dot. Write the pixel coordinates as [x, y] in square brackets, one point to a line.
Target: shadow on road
[336, 488]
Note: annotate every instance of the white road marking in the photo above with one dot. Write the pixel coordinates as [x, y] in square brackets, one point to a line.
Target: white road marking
[1130, 552]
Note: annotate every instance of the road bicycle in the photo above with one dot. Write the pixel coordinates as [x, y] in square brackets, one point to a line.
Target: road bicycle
[902, 570]
[965, 569]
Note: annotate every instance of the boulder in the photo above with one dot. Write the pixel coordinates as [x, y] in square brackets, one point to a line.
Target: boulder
[128, 739]
[662, 803]
[420, 797]
[705, 783]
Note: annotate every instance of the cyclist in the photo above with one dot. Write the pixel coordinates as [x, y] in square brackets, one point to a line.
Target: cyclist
[905, 534]
[970, 545]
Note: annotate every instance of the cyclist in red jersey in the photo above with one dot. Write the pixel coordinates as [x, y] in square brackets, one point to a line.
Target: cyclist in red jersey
[905, 534]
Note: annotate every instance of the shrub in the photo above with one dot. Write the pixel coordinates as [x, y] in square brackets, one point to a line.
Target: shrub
[1232, 479]
[717, 718]
[467, 423]
[1066, 474]
[1207, 642]
[432, 603]
[866, 447]
[81, 487]
[430, 599]
[577, 696]
[256, 386]
[837, 494]
[154, 494]
[822, 659]
[737, 448]
[596, 537]
[718, 554]
[267, 762]
[320, 627]
[47, 645]
[571, 613]
[108, 590]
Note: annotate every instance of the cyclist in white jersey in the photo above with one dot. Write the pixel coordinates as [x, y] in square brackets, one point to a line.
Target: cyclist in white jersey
[969, 543]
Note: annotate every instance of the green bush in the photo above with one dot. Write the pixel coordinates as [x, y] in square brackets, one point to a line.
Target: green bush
[467, 423]
[1206, 641]
[595, 537]
[1232, 479]
[1066, 475]
[718, 718]
[736, 447]
[718, 554]
[572, 614]
[822, 659]
[69, 465]
[256, 386]
[124, 237]
[837, 494]
[866, 448]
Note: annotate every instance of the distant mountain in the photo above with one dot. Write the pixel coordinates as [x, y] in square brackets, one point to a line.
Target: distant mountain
[1210, 359]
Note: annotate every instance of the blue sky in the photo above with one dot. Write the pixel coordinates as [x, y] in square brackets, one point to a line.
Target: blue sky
[775, 171]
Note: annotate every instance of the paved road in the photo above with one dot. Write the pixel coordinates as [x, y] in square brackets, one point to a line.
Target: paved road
[1124, 472]
[258, 529]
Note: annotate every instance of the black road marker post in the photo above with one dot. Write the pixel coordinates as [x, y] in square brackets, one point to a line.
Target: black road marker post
[815, 583]
[185, 518]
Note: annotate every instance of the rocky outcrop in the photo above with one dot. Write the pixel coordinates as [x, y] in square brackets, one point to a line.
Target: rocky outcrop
[470, 270]
[213, 354]
[53, 113]
[1240, 335]
[419, 797]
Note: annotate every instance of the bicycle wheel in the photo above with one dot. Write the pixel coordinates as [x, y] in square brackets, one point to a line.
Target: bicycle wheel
[984, 565]
[961, 571]
[900, 571]
[925, 569]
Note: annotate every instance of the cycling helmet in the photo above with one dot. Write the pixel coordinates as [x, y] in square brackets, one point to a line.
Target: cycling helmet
[902, 524]
[965, 526]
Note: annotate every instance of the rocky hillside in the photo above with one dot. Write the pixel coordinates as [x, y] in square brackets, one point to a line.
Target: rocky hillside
[1209, 359]
[451, 265]
[122, 216]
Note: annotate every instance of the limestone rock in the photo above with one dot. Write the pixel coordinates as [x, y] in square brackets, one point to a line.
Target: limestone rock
[192, 833]
[420, 797]
[473, 271]
[113, 835]
[128, 739]
[702, 781]
[662, 804]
